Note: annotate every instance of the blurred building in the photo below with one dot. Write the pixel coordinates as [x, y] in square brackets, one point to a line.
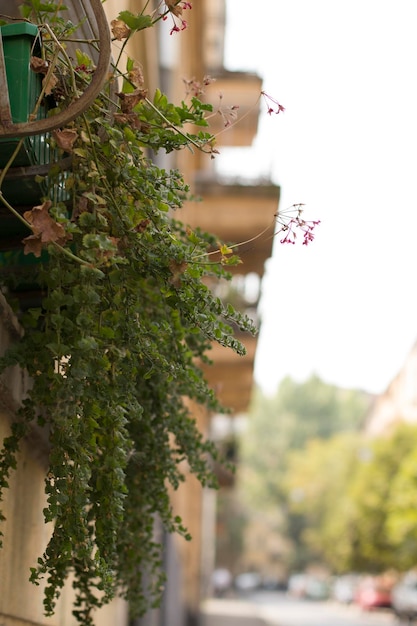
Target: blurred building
[235, 212]
[398, 403]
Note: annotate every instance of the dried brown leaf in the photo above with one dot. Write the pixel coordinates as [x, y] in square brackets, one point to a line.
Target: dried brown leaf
[65, 138]
[119, 29]
[49, 83]
[38, 65]
[142, 226]
[177, 270]
[128, 101]
[45, 229]
[132, 120]
[136, 75]
[33, 245]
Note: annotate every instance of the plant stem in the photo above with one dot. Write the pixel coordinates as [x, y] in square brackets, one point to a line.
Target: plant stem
[13, 210]
[177, 130]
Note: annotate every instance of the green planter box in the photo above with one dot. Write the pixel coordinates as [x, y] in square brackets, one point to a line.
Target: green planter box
[21, 40]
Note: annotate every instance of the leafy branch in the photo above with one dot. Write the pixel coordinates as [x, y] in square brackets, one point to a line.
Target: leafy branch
[124, 319]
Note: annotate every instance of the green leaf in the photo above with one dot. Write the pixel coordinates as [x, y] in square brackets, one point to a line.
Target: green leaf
[83, 58]
[81, 152]
[87, 343]
[129, 134]
[135, 22]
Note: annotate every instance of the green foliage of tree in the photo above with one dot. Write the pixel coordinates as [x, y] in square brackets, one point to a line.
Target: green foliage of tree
[280, 424]
[316, 409]
[296, 424]
[317, 501]
[356, 498]
[401, 522]
[373, 493]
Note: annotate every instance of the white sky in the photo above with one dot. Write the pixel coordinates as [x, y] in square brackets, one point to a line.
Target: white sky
[344, 307]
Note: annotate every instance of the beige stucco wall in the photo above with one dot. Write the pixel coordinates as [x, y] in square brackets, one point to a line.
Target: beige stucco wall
[25, 533]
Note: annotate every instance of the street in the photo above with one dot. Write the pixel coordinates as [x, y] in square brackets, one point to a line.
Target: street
[278, 609]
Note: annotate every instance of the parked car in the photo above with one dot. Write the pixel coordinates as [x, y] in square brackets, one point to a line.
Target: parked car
[308, 586]
[373, 593]
[271, 583]
[344, 588]
[248, 581]
[297, 585]
[316, 588]
[221, 581]
[404, 597]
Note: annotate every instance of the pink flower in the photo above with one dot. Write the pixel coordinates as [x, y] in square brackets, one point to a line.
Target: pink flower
[228, 114]
[273, 106]
[195, 87]
[291, 223]
[175, 9]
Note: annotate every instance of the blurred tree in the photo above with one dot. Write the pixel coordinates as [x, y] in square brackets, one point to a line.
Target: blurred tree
[279, 425]
[381, 492]
[402, 513]
[318, 506]
[317, 409]
[354, 501]
[298, 413]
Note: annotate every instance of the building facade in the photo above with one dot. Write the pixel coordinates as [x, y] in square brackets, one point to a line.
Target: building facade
[398, 403]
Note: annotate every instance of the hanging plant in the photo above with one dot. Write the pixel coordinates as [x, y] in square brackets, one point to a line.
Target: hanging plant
[125, 317]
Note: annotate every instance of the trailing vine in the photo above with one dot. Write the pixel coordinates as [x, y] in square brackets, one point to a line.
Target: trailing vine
[124, 321]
